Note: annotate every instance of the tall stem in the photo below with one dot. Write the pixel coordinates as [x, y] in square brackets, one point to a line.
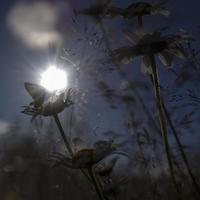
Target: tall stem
[64, 137]
[181, 150]
[96, 185]
[163, 122]
[180, 146]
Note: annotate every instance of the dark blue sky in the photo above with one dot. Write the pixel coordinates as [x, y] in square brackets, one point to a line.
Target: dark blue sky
[17, 61]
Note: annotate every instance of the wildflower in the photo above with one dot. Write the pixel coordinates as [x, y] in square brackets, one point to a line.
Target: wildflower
[45, 103]
[149, 44]
[114, 12]
[104, 9]
[87, 157]
[97, 10]
[144, 8]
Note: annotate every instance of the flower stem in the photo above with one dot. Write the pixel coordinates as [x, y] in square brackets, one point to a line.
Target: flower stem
[181, 150]
[180, 146]
[163, 125]
[64, 137]
[96, 185]
[91, 177]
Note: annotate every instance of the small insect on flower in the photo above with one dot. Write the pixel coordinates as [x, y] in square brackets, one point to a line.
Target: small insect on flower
[46, 103]
[149, 44]
[87, 157]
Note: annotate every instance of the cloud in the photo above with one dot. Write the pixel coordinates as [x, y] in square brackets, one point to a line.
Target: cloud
[4, 127]
[35, 23]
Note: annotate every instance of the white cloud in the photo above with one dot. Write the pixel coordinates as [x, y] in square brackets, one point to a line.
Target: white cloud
[35, 23]
[4, 127]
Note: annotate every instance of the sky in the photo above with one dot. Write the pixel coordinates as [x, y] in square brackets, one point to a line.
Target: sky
[23, 54]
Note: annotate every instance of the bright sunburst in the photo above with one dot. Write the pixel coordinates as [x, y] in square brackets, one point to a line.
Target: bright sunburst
[54, 79]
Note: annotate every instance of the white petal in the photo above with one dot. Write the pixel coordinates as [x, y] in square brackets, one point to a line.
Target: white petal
[179, 52]
[166, 58]
[131, 36]
[146, 65]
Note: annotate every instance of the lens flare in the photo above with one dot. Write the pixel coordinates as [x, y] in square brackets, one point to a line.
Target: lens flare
[54, 79]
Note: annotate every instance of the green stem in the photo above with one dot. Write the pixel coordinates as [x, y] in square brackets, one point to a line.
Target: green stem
[64, 137]
[181, 150]
[95, 183]
[163, 122]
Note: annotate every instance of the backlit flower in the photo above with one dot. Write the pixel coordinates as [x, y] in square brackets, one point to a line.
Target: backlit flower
[105, 9]
[166, 47]
[144, 8]
[45, 103]
[97, 10]
[87, 157]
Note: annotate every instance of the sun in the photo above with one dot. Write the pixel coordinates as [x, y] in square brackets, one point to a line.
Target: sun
[54, 79]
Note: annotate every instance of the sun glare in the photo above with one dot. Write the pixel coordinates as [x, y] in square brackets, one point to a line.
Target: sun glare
[54, 79]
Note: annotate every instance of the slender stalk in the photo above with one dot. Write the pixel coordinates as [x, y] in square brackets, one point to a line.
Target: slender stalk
[56, 118]
[96, 185]
[71, 122]
[90, 176]
[64, 137]
[132, 87]
[139, 26]
[181, 150]
[184, 157]
[163, 122]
